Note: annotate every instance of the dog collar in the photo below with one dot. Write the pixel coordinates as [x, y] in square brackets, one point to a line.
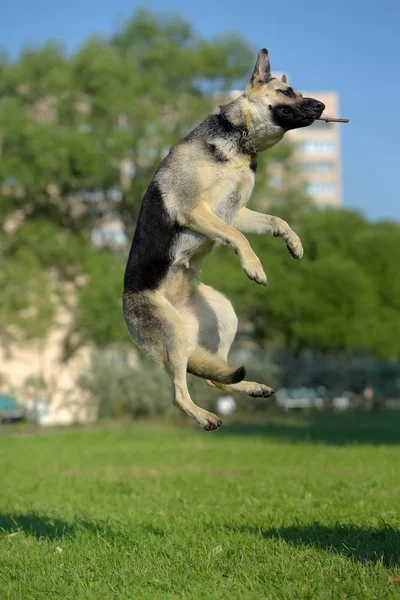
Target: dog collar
[246, 144]
[229, 125]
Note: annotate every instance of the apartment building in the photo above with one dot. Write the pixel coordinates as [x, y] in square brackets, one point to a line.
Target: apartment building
[318, 153]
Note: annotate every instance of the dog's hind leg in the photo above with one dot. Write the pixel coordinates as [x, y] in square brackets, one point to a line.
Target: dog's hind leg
[217, 323]
[158, 330]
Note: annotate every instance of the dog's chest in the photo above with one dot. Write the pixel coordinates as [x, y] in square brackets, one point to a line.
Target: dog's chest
[234, 195]
[231, 191]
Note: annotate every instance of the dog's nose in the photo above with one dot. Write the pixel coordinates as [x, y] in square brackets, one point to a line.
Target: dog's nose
[319, 105]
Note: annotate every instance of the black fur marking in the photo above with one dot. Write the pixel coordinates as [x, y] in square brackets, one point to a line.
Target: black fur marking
[288, 117]
[218, 126]
[239, 375]
[216, 153]
[149, 256]
[253, 163]
[207, 130]
[229, 127]
[289, 92]
[215, 126]
[298, 114]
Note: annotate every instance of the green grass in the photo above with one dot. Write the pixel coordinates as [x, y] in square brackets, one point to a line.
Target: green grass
[298, 508]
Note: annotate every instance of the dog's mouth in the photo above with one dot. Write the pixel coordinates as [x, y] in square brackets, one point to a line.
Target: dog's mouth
[299, 114]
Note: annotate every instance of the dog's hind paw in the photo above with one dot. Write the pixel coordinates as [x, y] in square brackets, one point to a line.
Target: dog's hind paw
[208, 421]
[259, 390]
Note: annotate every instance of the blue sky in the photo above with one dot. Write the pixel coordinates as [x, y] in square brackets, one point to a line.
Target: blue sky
[350, 46]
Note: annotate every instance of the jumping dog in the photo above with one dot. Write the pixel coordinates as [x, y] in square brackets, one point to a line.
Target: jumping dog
[195, 201]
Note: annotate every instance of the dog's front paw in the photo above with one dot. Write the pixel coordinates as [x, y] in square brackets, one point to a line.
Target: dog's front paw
[282, 229]
[254, 270]
[294, 245]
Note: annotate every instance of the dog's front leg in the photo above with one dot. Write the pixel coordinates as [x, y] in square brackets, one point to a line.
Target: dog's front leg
[249, 221]
[202, 220]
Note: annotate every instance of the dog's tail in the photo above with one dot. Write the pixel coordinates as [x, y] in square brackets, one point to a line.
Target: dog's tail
[207, 365]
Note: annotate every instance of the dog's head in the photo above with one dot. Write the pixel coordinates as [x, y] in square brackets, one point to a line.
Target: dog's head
[273, 107]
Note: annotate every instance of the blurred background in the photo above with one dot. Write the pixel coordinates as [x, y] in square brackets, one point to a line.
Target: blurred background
[92, 96]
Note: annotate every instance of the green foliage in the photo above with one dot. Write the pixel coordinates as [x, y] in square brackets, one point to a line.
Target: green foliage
[38, 72]
[53, 246]
[69, 121]
[98, 315]
[26, 306]
[169, 53]
[119, 389]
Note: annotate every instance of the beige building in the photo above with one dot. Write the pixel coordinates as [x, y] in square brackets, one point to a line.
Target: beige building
[319, 154]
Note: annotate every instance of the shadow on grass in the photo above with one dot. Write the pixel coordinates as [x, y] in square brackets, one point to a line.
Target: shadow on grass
[361, 544]
[336, 429]
[50, 528]
[43, 527]
[364, 545]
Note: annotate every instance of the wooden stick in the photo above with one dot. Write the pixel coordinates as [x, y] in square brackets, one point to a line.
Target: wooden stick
[332, 120]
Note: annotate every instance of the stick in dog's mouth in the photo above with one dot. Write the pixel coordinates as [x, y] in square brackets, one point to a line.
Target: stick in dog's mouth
[332, 120]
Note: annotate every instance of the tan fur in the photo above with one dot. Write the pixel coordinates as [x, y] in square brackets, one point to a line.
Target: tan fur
[203, 363]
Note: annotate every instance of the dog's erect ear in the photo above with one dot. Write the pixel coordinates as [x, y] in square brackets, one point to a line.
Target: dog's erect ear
[262, 70]
[284, 78]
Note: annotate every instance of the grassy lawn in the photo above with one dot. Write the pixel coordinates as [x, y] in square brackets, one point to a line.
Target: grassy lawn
[297, 508]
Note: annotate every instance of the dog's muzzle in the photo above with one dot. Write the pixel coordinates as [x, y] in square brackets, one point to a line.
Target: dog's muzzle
[299, 114]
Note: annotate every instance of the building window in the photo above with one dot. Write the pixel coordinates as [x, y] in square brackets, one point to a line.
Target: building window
[319, 188]
[317, 166]
[317, 147]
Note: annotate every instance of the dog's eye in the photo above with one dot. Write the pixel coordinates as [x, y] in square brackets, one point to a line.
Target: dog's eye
[289, 93]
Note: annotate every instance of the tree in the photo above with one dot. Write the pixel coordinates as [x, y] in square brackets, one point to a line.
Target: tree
[70, 126]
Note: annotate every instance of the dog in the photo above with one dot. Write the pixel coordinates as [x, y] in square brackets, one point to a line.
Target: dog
[195, 201]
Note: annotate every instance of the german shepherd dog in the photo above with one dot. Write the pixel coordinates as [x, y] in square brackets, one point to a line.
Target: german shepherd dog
[196, 201]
